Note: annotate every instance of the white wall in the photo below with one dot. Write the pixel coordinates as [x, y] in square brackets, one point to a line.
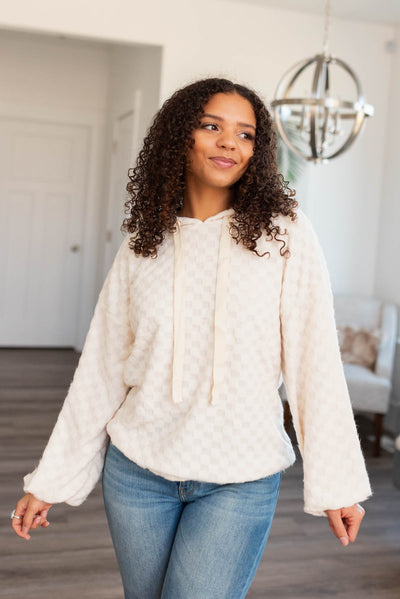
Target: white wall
[387, 279]
[136, 68]
[49, 72]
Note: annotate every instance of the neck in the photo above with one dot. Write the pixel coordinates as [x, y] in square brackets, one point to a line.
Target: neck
[202, 202]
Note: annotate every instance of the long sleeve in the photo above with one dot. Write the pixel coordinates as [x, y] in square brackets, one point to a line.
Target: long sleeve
[334, 469]
[73, 459]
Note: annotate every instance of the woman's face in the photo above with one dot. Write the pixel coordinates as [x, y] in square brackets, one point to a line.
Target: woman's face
[223, 142]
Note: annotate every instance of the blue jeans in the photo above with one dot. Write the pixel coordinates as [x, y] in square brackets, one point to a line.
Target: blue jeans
[185, 539]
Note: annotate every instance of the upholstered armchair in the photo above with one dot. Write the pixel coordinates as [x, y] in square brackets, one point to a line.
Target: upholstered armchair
[369, 384]
[367, 333]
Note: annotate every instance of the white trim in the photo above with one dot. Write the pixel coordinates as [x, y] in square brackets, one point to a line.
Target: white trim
[137, 107]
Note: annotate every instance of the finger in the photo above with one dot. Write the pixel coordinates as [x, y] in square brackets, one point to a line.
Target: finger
[352, 530]
[44, 523]
[20, 510]
[37, 520]
[17, 527]
[16, 524]
[337, 526]
[353, 521]
[42, 516]
[28, 519]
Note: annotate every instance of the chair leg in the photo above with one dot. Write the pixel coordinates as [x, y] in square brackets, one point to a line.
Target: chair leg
[378, 434]
[287, 416]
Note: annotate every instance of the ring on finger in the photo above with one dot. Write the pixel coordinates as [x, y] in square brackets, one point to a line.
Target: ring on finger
[14, 515]
[360, 509]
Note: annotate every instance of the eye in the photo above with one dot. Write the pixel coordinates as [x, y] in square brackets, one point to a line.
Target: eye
[209, 126]
[247, 136]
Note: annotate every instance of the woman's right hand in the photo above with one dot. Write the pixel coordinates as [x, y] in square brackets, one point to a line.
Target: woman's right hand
[33, 512]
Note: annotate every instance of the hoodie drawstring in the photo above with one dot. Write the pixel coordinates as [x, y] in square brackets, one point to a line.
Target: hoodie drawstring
[220, 313]
[179, 317]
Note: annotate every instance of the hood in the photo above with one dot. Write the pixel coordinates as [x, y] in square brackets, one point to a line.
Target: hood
[220, 312]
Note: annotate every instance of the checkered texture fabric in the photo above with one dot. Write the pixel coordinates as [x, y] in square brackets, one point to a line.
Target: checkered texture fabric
[280, 318]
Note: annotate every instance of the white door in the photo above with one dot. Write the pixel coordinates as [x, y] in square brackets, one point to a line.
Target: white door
[43, 170]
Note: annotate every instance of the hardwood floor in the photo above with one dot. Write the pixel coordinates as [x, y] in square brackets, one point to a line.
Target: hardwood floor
[74, 557]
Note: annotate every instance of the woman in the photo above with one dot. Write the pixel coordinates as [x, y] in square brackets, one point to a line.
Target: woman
[222, 287]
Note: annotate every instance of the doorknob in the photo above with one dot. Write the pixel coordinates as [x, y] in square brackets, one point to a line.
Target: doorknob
[75, 248]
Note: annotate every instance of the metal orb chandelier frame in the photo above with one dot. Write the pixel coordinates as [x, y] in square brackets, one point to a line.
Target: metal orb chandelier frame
[318, 116]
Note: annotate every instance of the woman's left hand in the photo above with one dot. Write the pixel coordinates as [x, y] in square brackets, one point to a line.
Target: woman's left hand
[345, 522]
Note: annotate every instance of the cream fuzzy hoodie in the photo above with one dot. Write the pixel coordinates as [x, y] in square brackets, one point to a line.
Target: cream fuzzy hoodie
[182, 364]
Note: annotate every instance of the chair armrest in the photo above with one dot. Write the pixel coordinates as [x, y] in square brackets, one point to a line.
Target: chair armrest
[387, 349]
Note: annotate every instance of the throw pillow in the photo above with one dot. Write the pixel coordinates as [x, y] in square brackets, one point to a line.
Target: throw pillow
[359, 346]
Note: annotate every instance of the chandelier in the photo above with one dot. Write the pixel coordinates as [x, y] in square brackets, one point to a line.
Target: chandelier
[319, 125]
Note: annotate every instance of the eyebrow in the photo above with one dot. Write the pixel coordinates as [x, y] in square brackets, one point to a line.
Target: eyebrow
[219, 118]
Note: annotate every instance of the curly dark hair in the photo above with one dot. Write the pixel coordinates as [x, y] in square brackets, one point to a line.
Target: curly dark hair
[157, 183]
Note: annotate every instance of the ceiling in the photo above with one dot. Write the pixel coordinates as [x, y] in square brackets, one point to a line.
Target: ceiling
[384, 12]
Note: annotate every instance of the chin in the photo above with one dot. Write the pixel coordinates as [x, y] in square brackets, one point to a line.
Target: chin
[223, 182]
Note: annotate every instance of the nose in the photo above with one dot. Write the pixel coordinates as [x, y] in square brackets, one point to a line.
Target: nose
[227, 139]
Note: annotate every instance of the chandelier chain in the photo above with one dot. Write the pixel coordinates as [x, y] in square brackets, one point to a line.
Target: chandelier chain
[326, 27]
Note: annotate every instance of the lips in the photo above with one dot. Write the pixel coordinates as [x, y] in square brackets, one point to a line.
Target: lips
[223, 162]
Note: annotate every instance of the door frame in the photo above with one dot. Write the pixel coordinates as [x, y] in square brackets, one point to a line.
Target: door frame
[121, 112]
